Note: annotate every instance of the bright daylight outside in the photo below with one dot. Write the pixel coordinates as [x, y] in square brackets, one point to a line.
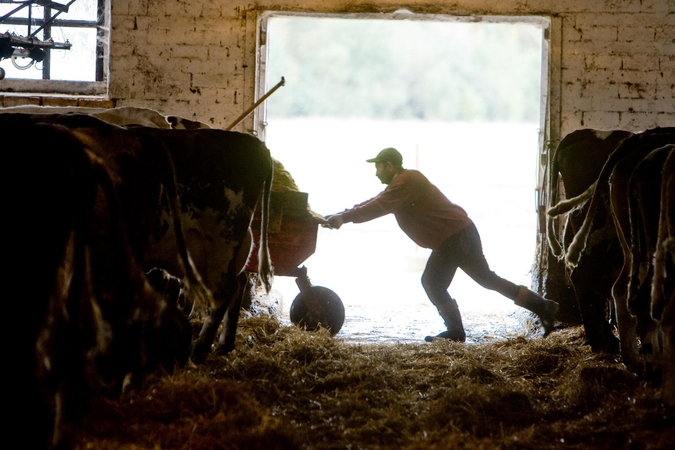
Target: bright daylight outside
[461, 102]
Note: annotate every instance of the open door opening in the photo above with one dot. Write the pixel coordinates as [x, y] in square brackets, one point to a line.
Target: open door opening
[461, 99]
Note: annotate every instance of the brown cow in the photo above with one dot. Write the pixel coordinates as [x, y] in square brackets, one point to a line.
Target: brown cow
[663, 283]
[92, 320]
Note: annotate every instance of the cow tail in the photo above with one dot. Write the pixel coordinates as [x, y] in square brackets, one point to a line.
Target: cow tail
[265, 268]
[574, 203]
[193, 284]
[601, 188]
[580, 239]
[551, 235]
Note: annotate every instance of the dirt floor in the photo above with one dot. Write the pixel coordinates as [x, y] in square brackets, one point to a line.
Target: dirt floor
[285, 388]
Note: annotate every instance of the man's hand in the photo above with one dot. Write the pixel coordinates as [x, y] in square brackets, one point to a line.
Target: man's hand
[334, 222]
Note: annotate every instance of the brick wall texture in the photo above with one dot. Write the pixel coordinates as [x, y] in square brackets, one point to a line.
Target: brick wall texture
[618, 68]
[197, 58]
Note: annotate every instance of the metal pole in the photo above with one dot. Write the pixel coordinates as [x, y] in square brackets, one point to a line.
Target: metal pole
[256, 104]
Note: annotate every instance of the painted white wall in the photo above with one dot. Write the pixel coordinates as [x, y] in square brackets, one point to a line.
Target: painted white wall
[612, 62]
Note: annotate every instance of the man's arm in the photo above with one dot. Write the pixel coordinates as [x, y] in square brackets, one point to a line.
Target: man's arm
[397, 195]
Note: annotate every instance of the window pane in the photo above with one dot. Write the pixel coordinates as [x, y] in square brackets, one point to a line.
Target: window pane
[6, 8]
[78, 63]
[80, 10]
[20, 30]
[32, 70]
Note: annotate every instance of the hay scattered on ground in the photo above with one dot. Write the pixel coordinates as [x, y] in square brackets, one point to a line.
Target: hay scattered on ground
[284, 388]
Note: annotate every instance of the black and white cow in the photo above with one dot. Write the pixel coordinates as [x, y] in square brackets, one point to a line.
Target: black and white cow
[628, 190]
[220, 176]
[578, 160]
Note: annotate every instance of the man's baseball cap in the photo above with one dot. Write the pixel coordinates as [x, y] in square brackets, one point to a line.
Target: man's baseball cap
[389, 154]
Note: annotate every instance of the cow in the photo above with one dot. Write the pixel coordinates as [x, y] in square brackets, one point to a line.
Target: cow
[121, 115]
[220, 175]
[91, 321]
[628, 189]
[578, 159]
[663, 285]
[54, 301]
[171, 287]
[643, 196]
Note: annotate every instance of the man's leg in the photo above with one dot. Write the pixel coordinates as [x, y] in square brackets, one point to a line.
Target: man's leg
[472, 261]
[437, 276]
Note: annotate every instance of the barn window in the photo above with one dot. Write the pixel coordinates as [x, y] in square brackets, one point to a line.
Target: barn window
[439, 88]
[54, 46]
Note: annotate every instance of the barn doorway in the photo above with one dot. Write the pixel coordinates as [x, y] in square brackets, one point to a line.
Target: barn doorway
[461, 99]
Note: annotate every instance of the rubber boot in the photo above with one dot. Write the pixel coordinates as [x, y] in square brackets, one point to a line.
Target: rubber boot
[453, 323]
[545, 309]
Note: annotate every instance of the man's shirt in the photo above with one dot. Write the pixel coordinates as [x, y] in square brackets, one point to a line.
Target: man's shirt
[421, 209]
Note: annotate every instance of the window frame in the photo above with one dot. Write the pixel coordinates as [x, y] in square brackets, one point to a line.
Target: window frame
[67, 87]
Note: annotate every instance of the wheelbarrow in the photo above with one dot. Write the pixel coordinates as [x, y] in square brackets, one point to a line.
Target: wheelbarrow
[292, 233]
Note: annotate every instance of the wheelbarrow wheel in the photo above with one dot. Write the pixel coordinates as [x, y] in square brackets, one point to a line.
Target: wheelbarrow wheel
[317, 307]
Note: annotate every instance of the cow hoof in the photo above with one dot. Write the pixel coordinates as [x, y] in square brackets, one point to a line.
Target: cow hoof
[636, 367]
[224, 349]
[653, 374]
[198, 353]
[608, 346]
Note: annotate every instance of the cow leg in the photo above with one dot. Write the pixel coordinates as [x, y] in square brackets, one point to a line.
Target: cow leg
[202, 345]
[652, 350]
[593, 307]
[229, 331]
[650, 333]
[668, 329]
[626, 323]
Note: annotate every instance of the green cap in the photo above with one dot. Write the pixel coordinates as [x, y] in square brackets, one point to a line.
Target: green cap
[389, 154]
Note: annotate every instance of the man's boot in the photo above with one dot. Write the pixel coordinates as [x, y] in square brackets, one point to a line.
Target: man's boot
[544, 308]
[453, 322]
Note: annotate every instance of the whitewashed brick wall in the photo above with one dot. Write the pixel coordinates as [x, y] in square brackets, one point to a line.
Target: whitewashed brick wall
[196, 58]
[618, 68]
[182, 57]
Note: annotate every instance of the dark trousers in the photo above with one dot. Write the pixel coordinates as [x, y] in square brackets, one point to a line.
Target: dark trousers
[462, 250]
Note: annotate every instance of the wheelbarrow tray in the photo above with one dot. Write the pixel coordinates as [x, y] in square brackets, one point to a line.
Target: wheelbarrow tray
[292, 233]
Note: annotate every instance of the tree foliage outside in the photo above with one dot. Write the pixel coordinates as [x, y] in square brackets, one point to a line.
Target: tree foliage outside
[402, 70]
